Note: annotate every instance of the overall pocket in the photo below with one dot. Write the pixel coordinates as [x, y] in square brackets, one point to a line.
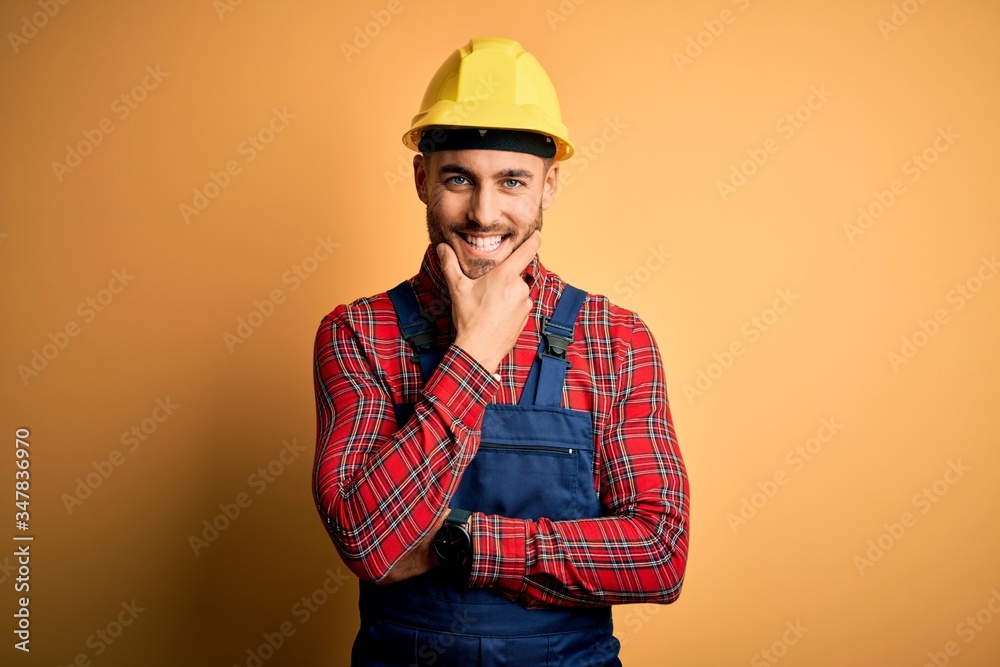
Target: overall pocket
[522, 481]
[532, 462]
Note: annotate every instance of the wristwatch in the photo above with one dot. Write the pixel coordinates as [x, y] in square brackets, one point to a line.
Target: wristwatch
[452, 543]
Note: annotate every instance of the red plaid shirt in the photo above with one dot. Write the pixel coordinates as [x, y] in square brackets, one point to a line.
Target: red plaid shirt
[380, 487]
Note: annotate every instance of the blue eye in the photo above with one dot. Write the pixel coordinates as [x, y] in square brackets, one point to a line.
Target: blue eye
[513, 183]
[455, 180]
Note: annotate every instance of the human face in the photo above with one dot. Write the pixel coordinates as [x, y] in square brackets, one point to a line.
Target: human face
[483, 203]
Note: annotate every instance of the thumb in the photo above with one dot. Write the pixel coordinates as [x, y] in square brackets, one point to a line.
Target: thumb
[449, 264]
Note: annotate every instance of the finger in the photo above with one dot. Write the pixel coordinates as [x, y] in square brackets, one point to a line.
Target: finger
[519, 259]
[449, 264]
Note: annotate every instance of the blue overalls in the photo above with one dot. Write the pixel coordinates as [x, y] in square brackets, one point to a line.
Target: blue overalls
[535, 459]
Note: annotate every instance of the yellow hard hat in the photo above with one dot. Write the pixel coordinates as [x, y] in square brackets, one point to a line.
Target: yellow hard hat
[492, 83]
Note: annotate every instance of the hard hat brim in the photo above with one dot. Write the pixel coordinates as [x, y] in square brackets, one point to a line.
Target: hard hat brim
[483, 114]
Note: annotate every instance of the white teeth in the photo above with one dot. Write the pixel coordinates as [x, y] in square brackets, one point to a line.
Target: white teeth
[486, 243]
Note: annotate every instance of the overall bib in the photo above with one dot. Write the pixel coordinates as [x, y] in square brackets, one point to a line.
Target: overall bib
[535, 459]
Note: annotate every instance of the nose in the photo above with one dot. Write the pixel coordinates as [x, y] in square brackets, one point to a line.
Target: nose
[484, 208]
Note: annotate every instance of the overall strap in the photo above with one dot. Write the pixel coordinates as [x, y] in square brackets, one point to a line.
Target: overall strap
[548, 373]
[417, 330]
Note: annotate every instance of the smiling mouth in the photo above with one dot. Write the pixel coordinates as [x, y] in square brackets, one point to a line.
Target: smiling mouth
[484, 244]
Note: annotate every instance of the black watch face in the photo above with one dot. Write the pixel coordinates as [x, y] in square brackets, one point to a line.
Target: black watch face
[452, 544]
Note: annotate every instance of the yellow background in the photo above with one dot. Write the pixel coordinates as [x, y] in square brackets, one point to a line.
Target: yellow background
[656, 135]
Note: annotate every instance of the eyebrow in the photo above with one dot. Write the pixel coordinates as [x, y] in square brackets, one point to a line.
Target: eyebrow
[504, 173]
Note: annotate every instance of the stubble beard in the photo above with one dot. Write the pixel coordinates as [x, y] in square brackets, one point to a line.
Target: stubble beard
[479, 267]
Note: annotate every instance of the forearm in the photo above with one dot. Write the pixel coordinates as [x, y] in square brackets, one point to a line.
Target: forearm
[603, 561]
[381, 487]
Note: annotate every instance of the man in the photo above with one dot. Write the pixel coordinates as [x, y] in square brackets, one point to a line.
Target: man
[495, 457]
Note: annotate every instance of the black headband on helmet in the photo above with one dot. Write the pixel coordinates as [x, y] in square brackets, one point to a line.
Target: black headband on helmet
[457, 139]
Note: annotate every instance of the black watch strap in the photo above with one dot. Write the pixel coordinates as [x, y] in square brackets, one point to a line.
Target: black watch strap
[459, 517]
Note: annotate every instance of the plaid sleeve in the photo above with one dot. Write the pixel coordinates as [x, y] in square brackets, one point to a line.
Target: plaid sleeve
[638, 551]
[379, 486]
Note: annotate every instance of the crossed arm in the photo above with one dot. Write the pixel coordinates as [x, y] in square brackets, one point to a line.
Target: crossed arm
[384, 489]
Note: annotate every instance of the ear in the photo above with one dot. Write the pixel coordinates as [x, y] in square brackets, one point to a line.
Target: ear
[420, 176]
[550, 186]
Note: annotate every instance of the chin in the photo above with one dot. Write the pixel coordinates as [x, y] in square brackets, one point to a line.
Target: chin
[477, 268]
